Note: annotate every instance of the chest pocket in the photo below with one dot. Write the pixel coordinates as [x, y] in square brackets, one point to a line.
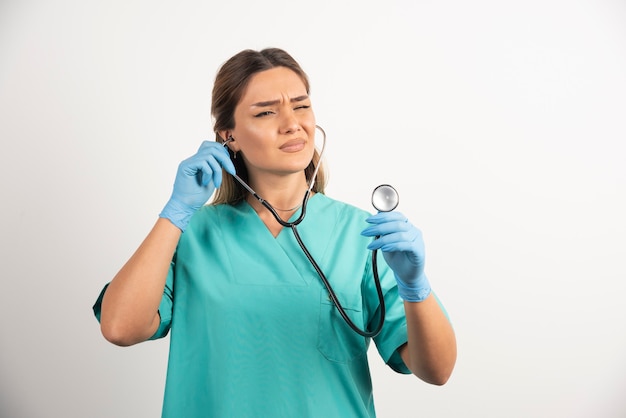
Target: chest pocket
[336, 340]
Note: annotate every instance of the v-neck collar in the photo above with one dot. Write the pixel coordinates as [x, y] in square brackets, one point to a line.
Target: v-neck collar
[311, 204]
[275, 261]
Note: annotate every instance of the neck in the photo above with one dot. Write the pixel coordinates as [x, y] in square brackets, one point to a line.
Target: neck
[284, 194]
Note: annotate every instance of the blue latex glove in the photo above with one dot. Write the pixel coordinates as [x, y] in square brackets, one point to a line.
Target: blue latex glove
[403, 249]
[196, 180]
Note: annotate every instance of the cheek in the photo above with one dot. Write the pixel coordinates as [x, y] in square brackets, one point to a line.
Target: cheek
[309, 120]
[252, 139]
[256, 151]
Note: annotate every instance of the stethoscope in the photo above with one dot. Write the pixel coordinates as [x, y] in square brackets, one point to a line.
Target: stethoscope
[384, 199]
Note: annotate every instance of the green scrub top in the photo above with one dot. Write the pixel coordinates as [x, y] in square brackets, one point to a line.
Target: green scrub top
[253, 332]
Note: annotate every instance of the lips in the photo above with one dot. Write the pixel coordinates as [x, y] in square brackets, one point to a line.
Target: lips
[293, 145]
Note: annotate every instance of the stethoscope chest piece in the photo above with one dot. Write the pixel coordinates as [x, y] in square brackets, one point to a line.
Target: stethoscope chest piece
[385, 198]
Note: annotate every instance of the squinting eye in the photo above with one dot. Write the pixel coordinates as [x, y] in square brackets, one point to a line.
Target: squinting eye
[260, 115]
[303, 107]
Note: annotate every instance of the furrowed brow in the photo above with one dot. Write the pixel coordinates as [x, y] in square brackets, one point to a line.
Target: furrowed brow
[275, 102]
[300, 98]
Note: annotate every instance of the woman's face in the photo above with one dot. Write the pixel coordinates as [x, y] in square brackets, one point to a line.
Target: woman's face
[274, 124]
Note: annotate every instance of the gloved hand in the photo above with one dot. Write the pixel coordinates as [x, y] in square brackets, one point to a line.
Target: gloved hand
[196, 180]
[403, 249]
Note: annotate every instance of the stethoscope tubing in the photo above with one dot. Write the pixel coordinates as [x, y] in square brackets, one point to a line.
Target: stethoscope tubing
[292, 225]
[333, 297]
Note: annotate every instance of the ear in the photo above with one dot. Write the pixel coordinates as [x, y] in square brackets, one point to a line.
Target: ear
[224, 134]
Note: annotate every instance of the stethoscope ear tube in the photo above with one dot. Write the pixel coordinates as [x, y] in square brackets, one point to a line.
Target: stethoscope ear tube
[269, 207]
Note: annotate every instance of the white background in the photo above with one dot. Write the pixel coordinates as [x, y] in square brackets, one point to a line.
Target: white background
[502, 125]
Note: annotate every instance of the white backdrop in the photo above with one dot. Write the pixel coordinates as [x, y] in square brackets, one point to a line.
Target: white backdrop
[502, 125]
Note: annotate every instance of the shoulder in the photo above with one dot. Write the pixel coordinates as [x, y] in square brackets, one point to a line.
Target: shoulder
[343, 208]
[343, 217]
[325, 200]
[210, 216]
[223, 209]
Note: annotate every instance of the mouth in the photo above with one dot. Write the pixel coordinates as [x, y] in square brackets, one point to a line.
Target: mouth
[293, 145]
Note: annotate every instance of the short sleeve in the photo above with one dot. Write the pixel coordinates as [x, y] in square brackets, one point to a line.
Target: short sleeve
[97, 307]
[394, 332]
[165, 307]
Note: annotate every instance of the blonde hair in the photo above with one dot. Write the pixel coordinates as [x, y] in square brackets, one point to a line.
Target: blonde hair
[230, 84]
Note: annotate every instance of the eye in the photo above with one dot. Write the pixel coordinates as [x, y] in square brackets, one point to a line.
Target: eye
[264, 113]
[303, 107]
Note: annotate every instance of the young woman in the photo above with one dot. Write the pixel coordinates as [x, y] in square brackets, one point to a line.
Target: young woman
[254, 330]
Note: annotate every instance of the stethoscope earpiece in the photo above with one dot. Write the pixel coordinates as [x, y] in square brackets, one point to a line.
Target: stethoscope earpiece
[229, 139]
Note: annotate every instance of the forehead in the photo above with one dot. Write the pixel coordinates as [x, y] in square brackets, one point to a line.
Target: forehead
[273, 84]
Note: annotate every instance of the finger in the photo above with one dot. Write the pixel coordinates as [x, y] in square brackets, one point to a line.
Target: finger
[205, 145]
[411, 234]
[192, 166]
[216, 170]
[206, 173]
[386, 228]
[382, 217]
[398, 241]
[395, 246]
[218, 152]
[224, 160]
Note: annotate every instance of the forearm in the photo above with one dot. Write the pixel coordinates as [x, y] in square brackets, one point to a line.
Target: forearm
[130, 304]
[431, 349]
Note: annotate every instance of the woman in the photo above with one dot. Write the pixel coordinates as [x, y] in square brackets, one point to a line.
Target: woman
[253, 330]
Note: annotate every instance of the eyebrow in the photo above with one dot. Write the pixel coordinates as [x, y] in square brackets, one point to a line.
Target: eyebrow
[274, 102]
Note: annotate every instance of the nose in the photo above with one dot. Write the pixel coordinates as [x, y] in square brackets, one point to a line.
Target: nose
[289, 122]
